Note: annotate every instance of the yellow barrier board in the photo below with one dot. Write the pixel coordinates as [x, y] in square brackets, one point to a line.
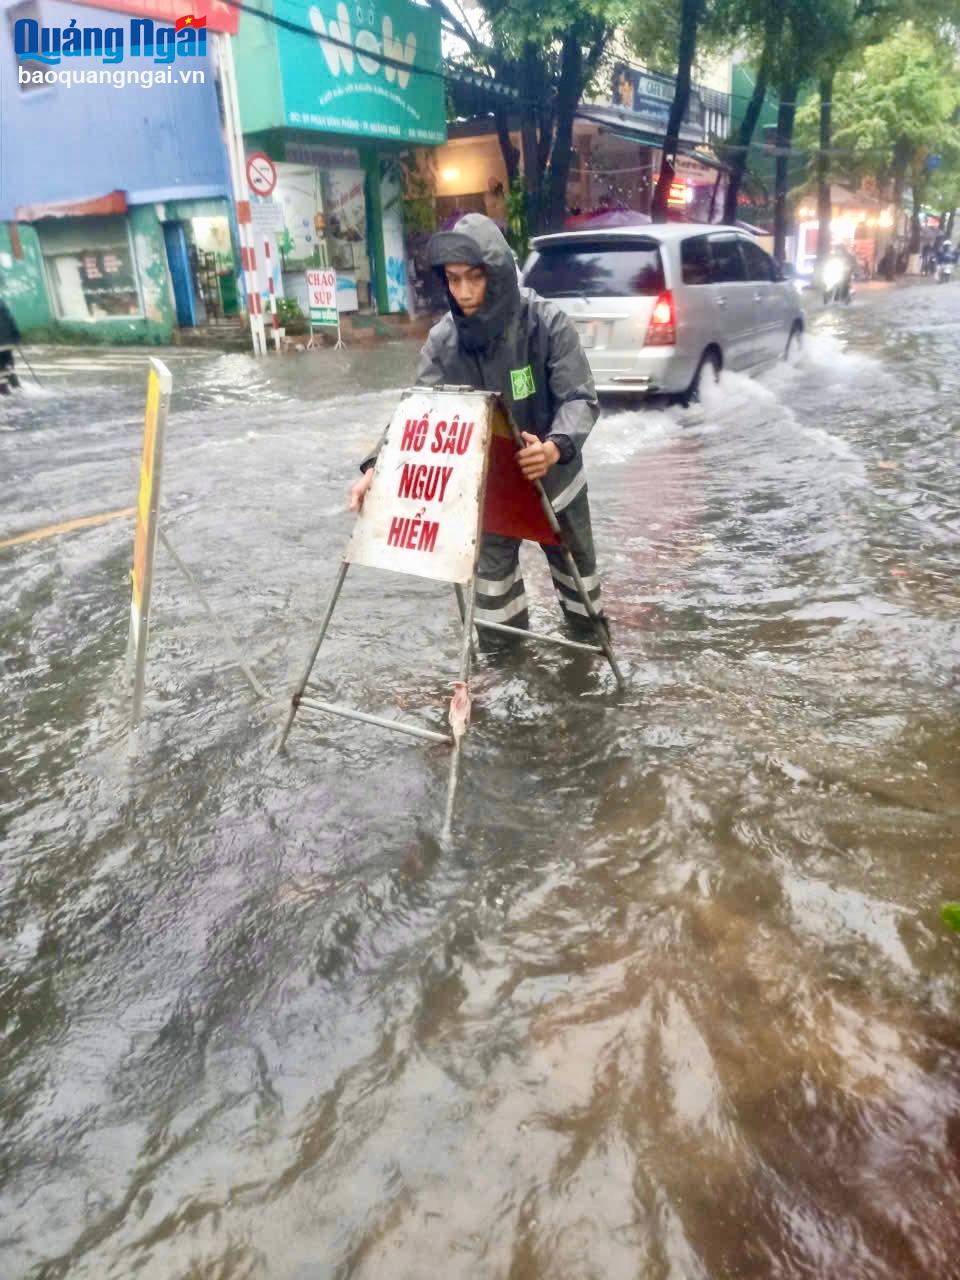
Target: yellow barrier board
[159, 383]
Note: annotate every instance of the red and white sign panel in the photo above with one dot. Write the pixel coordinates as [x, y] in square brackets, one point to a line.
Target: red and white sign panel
[322, 293]
[511, 505]
[261, 174]
[322, 288]
[219, 16]
[422, 512]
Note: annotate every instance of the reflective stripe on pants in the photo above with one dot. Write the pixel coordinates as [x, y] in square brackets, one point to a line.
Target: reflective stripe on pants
[501, 596]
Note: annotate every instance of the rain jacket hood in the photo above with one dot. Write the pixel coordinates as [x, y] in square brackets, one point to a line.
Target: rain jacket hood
[478, 241]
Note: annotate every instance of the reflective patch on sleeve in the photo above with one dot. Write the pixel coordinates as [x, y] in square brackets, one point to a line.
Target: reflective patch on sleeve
[521, 383]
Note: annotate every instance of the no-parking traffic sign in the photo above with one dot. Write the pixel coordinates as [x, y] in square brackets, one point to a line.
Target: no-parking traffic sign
[261, 174]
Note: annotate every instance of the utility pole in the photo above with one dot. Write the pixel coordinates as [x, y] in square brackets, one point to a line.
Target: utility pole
[241, 196]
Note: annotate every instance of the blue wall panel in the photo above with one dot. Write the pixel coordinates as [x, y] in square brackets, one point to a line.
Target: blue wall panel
[83, 140]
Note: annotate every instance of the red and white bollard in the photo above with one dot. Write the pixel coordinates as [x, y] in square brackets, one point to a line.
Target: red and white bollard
[248, 259]
[271, 285]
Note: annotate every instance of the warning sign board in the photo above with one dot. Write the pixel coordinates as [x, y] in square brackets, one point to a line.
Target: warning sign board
[322, 291]
[422, 512]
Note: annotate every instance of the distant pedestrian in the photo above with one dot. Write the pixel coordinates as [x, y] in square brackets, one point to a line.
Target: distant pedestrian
[887, 264]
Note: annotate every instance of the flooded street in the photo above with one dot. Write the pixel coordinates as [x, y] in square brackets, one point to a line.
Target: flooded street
[676, 1003]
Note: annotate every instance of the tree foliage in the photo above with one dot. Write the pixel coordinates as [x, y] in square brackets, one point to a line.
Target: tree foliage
[550, 51]
[893, 106]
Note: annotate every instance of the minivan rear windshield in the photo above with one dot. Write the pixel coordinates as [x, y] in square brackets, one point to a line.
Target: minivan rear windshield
[597, 269]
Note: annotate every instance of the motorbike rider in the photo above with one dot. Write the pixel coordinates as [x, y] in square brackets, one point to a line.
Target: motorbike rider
[946, 260]
[838, 274]
[9, 337]
[499, 336]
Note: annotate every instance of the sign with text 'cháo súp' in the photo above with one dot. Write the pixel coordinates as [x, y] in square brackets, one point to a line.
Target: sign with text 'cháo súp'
[422, 512]
[322, 292]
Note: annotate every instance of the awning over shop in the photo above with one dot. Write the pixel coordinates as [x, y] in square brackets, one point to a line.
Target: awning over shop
[94, 206]
[617, 120]
[631, 126]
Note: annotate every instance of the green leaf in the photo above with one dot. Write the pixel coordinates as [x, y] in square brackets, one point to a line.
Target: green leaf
[950, 915]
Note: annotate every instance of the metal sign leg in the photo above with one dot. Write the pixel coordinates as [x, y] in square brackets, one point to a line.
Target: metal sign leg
[298, 693]
[465, 656]
[462, 606]
[218, 626]
[603, 636]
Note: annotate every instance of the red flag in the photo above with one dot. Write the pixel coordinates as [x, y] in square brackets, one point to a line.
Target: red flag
[459, 713]
[188, 20]
[511, 506]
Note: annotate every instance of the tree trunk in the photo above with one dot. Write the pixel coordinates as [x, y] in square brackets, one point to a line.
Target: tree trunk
[713, 195]
[531, 169]
[531, 137]
[511, 156]
[568, 96]
[824, 200]
[738, 164]
[785, 118]
[689, 19]
[919, 190]
[915, 231]
[901, 155]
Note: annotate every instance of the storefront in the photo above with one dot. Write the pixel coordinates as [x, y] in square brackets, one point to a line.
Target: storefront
[858, 222]
[126, 241]
[201, 260]
[335, 123]
[616, 154]
[91, 269]
[323, 194]
[103, 268]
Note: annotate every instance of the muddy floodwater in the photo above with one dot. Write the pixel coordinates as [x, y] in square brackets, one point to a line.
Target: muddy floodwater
[674, 1004]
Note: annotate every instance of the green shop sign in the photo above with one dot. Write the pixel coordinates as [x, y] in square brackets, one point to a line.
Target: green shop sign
[337, 82]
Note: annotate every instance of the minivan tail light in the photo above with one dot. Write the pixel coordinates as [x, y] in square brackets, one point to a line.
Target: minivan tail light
[662, 329]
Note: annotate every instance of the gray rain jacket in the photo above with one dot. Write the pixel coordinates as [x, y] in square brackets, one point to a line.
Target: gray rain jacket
[518, 344]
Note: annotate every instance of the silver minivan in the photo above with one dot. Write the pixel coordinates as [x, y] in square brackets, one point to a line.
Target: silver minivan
[656, 306]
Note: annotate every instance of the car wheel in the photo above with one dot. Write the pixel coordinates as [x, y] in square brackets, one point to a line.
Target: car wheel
[709, 363]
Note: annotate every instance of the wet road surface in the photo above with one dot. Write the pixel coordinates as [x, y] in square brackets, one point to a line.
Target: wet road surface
[676, 1004]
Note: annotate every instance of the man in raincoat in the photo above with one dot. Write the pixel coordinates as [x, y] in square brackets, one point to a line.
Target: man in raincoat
[499, 336]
